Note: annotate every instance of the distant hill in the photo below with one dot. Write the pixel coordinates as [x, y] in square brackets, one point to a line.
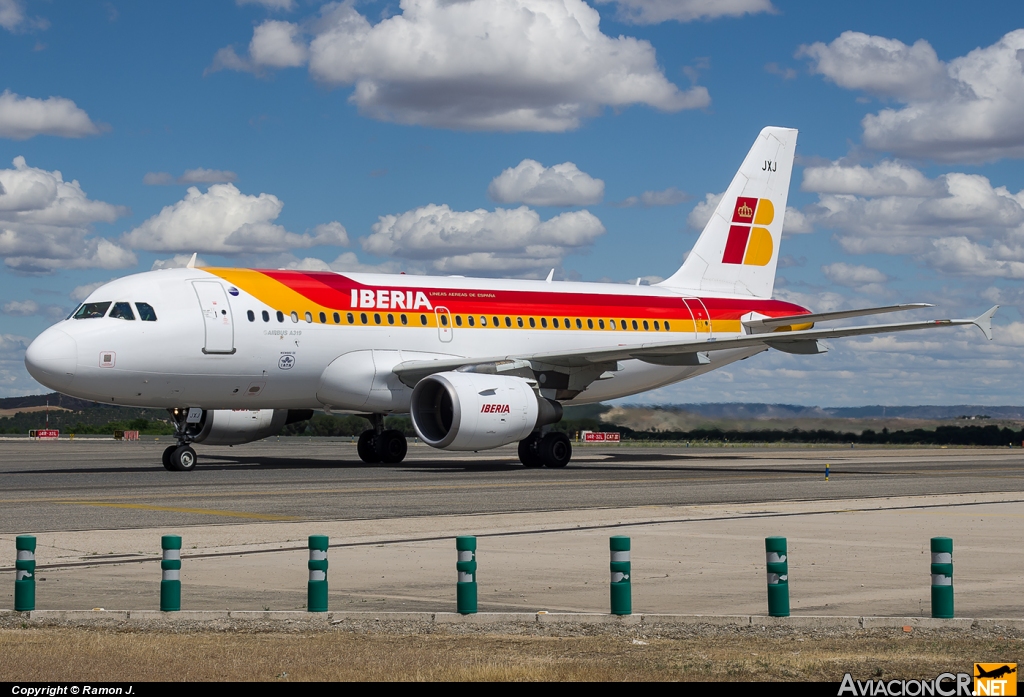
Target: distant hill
[744, 411]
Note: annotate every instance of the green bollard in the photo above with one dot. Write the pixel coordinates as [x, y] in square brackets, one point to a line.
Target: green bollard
[170, 565]
[942, 577]
[621, 588]
[316, 594]
[25, 574]
[465, 589]
[778, 576]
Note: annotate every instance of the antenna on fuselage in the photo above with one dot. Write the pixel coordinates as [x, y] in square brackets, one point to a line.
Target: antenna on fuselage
[192, 262]
[551, 274]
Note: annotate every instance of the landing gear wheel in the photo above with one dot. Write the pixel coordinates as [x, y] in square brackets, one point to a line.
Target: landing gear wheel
[367, 447]
[555, 450]
[528, 454]
[391, 447]
[167, 458]
[183, 459]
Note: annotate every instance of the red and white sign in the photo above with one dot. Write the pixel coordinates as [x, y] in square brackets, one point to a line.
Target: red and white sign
[44, 433]
[599, 437]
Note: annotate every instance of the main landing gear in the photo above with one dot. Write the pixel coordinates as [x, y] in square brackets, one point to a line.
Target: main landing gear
[551, 450]
[380, 445]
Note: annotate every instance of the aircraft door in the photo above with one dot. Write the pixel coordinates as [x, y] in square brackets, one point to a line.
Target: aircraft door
[220, 332]
[692, 319]
[701, 318]
[444, 324]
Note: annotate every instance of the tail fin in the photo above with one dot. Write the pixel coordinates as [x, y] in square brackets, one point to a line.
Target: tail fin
[738, 250]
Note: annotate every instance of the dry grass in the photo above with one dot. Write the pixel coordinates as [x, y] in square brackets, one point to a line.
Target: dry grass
[104, 654]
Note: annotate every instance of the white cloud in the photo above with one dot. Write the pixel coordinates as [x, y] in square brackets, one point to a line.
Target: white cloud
[178, 261]
[199, 175]
[880, 66]
[887, 178]
[226, 221]
[480, 241]
[82, 292]
[285, 5]
[503, 65]
[655, 11]
[278, 45]
[347, 261]
[648, 199]
[13, 17]
[970, 109]
[862, 278]
[45, 223]
[22, 308]
[532, 183]
[24, 117]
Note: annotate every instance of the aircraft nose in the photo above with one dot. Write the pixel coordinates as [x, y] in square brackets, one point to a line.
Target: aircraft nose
[52, 358]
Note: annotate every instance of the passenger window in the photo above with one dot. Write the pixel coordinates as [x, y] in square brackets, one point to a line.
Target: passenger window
[646, 328]
[92, 310]
[666, 326]
[496, 324]
[590, 324]
[122, 311]
[444, 320]
[391, 319]
[423, 320]
[280, 316]
[376, 318]
[554, 322]
[295, 316]
[483, 321]
[519, 321]
[600, 323]
[349, 318]
[624, 324]
[323, 318]
[251, 315]
[611, 323]
[405, 320]
[544, 322]
[362, 317]
[146, 312]
[634, 325]
[336, 318]
[309, 317]
[567, 325]
[508, 321]
[266, 315]
[458, 320]
[579, 323]
[533, 322]
[656, 327]
[470, 320]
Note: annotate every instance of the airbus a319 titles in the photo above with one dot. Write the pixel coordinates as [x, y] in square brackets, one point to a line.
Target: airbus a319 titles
[235, 354]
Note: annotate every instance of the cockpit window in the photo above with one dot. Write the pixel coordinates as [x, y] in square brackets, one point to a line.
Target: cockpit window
[74, 311]
[122, 311]
[91, 310]
[146, 312]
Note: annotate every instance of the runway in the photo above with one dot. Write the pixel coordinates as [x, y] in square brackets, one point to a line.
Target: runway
[100, 484]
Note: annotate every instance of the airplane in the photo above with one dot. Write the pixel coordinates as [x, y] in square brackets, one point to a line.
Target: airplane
[236, 354]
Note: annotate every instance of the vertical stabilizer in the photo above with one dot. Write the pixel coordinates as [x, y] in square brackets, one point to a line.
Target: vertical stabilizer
[738, 250]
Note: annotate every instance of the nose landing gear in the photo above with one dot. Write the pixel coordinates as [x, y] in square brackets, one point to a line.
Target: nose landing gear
[180, 457]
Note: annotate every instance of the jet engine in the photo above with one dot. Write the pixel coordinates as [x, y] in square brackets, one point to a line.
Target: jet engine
[237, 426]
[474, 411]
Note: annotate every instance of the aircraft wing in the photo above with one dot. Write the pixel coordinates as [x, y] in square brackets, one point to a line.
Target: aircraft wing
[687, 352]
[770, 323]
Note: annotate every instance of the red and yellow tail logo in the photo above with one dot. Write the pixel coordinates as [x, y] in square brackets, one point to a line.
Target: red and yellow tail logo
[747, 243]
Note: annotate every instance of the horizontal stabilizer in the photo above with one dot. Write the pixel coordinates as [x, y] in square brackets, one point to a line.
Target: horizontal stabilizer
[773, 322]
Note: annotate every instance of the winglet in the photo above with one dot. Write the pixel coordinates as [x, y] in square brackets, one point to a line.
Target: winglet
[192, 262]
[984, 322]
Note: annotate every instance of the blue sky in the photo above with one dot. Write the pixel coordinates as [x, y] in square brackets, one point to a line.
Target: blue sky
[352, 135]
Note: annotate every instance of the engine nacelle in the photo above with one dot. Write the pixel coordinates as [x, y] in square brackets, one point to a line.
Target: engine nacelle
[237, 426]
[474, 411]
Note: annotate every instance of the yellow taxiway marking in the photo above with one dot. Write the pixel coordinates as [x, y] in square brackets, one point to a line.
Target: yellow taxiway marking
[172, 509]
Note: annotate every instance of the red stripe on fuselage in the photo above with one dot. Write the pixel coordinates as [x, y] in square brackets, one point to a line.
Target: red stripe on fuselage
[335, 291]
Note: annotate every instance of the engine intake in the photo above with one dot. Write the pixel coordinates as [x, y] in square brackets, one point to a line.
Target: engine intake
[473, 411]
